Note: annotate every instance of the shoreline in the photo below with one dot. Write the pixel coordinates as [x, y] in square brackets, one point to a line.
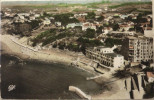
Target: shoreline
[11, 46]
[24, 52]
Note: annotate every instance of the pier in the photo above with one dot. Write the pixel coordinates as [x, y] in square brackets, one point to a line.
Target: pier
[91, 78]
[79, 92]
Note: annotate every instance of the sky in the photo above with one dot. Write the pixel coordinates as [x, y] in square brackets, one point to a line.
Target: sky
[62, 0]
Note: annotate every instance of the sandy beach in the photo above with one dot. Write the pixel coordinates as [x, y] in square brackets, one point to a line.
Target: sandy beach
[10, 45]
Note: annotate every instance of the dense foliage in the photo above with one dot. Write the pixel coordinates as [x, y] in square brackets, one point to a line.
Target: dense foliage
[89, 42]
[110, 42]
[122, 74]
[90, 33]
[65, 18]
[50, 36]
[91, 15]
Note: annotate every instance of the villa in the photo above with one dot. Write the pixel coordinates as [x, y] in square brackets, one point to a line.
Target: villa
[87, 25]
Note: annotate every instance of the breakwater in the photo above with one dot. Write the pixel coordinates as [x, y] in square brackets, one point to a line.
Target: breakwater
[79, 92]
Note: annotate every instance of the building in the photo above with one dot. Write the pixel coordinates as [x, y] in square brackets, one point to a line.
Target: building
[105, 56]
[46, 22]
[148, 33]
[126, 33]
[72, 25]
[107, 30]
[32, 17]
[37, 15]
[58, 24]
[87, 25]
[137, 49]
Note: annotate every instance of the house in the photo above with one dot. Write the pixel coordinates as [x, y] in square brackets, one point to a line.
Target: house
[81, 19]
[126, 33]
[87, 25]
[116, 15]
[58, 24]
[46, 22]
[72, 25]
[150, 76]
[32, 18]
[21, 17]
[123, 16]
[80, 15]
[114, 9]
[24, 14]
[37, 15]
[105, 8]
[124, 27]
[98, 9]
[108, 18]
[107, 30]
[7, 14]
[134, 17]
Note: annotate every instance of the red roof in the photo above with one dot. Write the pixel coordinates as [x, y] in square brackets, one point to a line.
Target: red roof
[150, 74]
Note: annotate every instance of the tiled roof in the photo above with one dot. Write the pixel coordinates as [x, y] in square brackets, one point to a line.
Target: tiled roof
[150, 74]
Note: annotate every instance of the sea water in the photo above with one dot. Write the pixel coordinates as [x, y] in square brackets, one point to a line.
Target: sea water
[34, 79]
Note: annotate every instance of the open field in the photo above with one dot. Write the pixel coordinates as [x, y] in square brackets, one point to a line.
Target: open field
[129, 4]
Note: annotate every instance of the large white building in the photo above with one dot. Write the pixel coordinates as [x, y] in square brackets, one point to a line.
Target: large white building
[105, 56]
[137, 49]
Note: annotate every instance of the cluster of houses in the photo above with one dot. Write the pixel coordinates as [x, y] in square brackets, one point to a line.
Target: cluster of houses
[118, 18]
[132, 44]
[25, 17]
[20, 17]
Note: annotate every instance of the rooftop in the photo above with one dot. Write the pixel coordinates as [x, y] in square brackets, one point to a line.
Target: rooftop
[139, 37]
[113, 55]
[150, 74]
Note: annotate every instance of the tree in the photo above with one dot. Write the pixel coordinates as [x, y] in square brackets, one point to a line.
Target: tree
[90, 33]
[34, 23]
[61, 46]
[149, 89]
[111, 42]
[54, 45]
[64, 18]
[116, 27]
[83, 49]
[151, 25]
[91, 15]
[122, 74]
[22, 29]
[99, 29]
[101, 18]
